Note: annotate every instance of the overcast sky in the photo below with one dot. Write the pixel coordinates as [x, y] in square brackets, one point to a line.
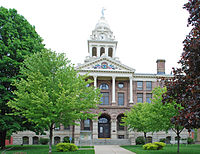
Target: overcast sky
[146, 30]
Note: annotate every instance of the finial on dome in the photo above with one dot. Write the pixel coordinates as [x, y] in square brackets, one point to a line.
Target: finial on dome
[102, 11]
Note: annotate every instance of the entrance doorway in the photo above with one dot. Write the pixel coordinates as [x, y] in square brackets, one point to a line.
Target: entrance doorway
[104, 126]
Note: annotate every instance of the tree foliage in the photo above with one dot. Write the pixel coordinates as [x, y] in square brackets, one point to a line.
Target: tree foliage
[164, 113]
[184, 87]
[52, 92]
[154, 116]
[17, 39]
[139, 118]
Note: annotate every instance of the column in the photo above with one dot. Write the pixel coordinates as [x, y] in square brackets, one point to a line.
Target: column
[95, 81]
[95, 129]
[77, 130]
[114, 52]
[30, 140]
[106, 51]
[90, 51]
[98, 51]
[113, 89]
[113, 129]
[131, 90]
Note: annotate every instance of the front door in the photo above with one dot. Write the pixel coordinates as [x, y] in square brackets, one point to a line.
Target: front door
[103, 128]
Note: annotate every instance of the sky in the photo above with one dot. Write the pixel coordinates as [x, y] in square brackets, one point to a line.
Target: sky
[146, 30]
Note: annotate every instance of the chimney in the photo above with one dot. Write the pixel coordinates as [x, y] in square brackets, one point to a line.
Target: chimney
[160, 66]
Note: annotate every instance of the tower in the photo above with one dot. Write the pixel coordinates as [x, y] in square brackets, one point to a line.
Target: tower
[102, 41]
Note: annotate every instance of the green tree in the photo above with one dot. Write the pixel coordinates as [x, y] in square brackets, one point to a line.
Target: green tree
[139, 118]
[162, 114]
[17, 39]
[53, 92]
[154, 116]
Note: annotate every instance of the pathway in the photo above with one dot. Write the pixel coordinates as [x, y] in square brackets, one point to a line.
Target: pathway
[110, 149]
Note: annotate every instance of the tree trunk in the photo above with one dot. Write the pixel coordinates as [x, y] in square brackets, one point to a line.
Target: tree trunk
[178, 136]
[178, 139]
[145, 137]
[50, 137]
[73, 130]
[3, 139]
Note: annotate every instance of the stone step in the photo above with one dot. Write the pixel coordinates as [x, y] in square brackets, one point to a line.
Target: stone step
[105, 142]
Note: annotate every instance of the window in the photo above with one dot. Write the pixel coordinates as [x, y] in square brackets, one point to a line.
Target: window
[139, 85]
[119, 122]
[139, 98]
[149, 139]
[57, 128]
[120, 136]
[86, 124]
[104, 86]
[88, 85]
[168, 139]
[56, 140]
[120, 99]
[148, 98]
[110, 52]
[103, 120]
[149, 85]
[121, 85]
[35, 140]
[94, 51]
[25, 140]
[102, 51]
[66, 127]
[105, 98]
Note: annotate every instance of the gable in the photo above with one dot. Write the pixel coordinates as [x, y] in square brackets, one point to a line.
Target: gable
[105, 64]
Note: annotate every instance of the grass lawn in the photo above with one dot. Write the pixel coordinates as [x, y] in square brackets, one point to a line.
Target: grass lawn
[169, 149]
[40, 149]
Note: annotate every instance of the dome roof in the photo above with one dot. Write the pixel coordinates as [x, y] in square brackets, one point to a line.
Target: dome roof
[102, 24]
[102, 31]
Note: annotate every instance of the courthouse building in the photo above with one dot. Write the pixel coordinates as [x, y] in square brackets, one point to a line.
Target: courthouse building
[121, 87]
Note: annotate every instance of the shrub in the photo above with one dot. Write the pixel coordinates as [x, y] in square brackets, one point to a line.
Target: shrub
[150, 146]
[44, 141]
[190, 140]
[154, 146]
[64, 147]
[160, 145]
[66, 140]
[140, 140]
[163, 140]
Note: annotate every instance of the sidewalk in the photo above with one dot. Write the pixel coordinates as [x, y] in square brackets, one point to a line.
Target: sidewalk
[110, 149]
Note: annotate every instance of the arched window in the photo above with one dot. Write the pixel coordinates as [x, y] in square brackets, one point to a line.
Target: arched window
[35, 140]
[56, 140]
[102, 51]
[149, 139]
[119, 122]
[94, 51]
[25, 140]
[168, 139]
[104, 86]
[110, 52]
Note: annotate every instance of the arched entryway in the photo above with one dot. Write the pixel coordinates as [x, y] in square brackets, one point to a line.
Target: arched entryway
[104, 126]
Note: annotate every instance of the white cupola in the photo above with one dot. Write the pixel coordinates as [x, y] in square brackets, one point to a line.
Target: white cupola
[102, 41]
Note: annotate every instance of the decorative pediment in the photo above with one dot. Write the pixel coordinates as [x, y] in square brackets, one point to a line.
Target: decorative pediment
[104, 64]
